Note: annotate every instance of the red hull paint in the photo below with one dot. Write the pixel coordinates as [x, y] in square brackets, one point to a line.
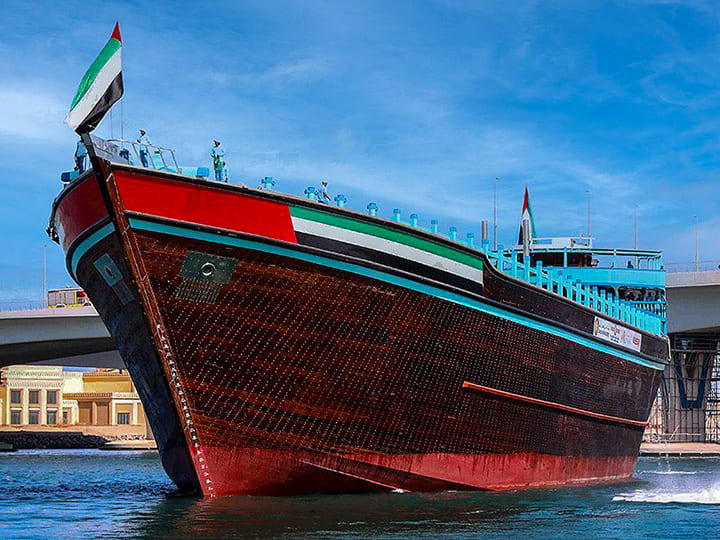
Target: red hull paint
[254, 471]
[79, 210]
[203, 205]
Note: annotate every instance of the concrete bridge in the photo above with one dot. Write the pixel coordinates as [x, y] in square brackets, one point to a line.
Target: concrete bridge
[72, 336]
[693, 301]
[691, 386]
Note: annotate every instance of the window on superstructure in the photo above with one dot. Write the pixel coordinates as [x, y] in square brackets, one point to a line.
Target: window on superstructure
[52, 417]
[15, 416]
[66, 417]
[123, 418]
[34, 397]
[15, 396]
[52, 397]
[33, 416]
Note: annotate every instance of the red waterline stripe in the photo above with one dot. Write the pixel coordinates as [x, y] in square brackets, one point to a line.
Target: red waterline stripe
[551, 404]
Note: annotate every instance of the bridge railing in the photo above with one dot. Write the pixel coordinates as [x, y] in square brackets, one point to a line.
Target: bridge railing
[693, 266]
[20, 305]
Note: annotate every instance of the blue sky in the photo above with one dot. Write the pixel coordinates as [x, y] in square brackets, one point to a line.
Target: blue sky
[411, 104]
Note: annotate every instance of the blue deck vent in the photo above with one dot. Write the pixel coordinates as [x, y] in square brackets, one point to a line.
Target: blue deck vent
[372, 209]
[68, 176]
[311, 193]
[340, 200]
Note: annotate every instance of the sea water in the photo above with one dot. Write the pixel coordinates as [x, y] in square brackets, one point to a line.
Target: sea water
[91, 493]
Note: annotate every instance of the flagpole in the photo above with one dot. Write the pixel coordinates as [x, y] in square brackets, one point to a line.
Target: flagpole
[122, 120]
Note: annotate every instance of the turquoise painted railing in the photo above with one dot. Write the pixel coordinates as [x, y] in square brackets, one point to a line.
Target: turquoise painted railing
[655, 307]
[650, 316]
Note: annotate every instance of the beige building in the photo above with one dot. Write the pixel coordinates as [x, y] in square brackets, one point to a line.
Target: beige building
[31, 395]
[48, 396]
[108, 398]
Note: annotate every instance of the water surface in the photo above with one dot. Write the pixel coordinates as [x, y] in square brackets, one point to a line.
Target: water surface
[90, 493]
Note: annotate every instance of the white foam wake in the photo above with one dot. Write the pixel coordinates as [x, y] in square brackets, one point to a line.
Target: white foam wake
[702, 496]
[670, 472]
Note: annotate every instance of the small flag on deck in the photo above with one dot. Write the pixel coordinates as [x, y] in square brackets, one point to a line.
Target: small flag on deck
[527, 214]
[101, 86]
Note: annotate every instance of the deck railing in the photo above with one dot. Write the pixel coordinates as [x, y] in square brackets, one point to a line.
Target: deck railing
[650, 316]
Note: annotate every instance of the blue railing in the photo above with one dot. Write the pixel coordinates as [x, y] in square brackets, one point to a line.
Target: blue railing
[650, 316]
[656, 307]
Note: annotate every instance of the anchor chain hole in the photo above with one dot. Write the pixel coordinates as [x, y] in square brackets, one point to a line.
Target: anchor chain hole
[207, 269]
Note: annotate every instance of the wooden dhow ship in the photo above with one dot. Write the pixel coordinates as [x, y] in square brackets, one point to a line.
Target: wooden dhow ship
[283, 346]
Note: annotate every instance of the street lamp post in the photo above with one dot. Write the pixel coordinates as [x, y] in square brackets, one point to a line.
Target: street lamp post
[635, 228]
[495, 214]
[697, 246]
[589, 234]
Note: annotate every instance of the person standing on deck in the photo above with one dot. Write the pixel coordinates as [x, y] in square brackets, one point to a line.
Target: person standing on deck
[323, 195]
[80, 155]
[144, 142]
[218, 157]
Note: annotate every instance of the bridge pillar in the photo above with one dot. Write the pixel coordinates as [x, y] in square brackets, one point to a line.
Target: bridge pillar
[687, 383]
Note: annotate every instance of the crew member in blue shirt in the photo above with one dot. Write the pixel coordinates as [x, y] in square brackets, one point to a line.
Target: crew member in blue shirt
[323, 195]
[144, 142]
[80, 155]
[218, 157]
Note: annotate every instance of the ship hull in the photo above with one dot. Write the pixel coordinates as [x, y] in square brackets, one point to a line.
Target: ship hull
[276, 361]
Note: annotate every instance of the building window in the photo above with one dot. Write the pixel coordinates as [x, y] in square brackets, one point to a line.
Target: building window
[52, 417]
[15, 396]
[33, 416]
[123, 418]
[52, 397]
[34, 397]
[66, 419]
[15, 416]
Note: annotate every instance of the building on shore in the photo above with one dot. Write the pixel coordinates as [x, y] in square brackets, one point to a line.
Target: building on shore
[51, 396]
[108, 398]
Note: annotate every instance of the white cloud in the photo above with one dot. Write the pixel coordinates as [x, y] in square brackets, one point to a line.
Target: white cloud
[32, 113]
[280, 74]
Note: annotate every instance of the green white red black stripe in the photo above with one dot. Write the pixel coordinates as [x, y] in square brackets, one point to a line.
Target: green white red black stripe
[383, 240]
[99, 89]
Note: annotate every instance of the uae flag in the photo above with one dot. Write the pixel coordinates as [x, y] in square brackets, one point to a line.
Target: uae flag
[101, 86]
[527, 214]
